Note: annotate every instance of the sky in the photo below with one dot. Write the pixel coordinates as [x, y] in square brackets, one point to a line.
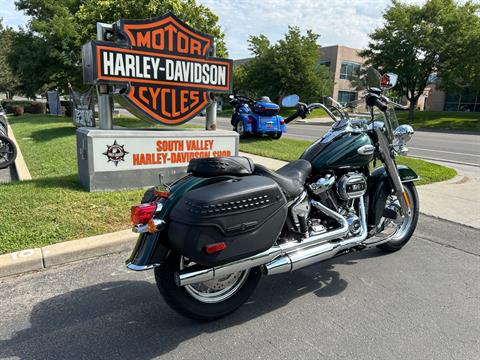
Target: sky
[342, 22]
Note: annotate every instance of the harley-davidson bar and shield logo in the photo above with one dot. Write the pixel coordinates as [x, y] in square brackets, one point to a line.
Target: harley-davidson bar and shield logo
[160, 67]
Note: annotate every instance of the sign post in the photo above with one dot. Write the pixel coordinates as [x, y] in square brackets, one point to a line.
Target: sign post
[160, 70]
[103, 94]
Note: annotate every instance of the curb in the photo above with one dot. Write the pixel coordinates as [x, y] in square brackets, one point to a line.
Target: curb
[20, 165]
[65, 252]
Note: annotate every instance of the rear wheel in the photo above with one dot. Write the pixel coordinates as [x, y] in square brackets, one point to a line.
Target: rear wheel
[399, 231]
[208, 300]
[276, 135]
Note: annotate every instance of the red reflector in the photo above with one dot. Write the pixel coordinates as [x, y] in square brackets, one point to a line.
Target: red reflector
[250, 120]
[142, 213]
[210, 249]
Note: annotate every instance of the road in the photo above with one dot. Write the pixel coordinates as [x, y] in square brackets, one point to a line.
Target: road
[419, 303]
[8, 174]
[441, 146]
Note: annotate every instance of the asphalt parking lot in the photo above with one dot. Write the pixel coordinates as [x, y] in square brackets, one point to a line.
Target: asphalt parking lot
[420, 303]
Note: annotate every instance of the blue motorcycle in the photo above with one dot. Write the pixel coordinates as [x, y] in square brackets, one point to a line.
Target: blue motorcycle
[251, 117]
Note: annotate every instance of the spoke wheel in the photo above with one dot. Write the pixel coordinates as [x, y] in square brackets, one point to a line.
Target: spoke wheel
[208, 300]
[216, 290]
[397, 232]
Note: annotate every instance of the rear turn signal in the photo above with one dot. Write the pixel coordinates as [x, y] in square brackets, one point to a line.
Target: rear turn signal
[141, 214]
[213, 248]
[162, 194]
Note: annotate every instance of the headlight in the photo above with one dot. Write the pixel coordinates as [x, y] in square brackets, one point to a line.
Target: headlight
[402, 135]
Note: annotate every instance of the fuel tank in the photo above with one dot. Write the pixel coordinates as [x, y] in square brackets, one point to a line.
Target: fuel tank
[347, 151]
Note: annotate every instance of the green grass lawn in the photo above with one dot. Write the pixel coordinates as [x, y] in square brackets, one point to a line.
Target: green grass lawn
[442, 120]
[53, 207]
[290, 149]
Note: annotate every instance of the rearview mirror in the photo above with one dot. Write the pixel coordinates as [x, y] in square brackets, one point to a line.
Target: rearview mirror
[290, 100]
[388, 81]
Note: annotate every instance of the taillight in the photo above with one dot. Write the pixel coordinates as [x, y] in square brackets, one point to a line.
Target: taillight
[141, 214]
[282, 122]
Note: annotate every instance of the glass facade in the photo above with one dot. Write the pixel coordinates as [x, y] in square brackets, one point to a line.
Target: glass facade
[344, 97]
[467, 101]
[348, 70]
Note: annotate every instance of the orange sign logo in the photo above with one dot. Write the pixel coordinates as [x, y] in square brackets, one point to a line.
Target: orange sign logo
[160, 67]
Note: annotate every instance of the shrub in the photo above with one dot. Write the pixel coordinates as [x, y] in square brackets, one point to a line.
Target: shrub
[37, 107]
[18, 110]
[67, 105]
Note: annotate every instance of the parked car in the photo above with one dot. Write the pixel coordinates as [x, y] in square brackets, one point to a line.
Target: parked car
[251, 117]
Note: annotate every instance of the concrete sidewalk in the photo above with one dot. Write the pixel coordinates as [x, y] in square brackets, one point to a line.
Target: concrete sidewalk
[456, 200]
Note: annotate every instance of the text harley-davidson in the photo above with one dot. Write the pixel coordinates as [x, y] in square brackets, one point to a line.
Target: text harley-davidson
[213, 233]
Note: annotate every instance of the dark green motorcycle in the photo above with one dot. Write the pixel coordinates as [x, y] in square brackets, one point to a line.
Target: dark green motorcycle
[213, 233]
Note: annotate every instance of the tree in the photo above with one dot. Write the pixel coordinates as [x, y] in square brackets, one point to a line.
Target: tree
[289, 66]
[8, 80]
[417, 41]
[58, 29]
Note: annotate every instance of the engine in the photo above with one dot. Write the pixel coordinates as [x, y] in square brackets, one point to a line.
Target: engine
[351, 186]
[339, 194]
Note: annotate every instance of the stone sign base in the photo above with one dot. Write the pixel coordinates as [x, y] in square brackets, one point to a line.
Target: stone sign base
[127, 158]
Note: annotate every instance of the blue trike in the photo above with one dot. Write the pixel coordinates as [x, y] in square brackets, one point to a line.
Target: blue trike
[256, 117]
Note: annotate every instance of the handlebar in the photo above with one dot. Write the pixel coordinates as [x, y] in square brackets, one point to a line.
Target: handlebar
[303, 110]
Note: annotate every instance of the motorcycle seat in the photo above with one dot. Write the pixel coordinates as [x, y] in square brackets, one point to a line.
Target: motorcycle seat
[215, 166]
[291, 177]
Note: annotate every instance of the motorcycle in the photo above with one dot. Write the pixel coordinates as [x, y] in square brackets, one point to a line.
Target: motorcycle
[252, 117]
[210, 235]
[8, 150]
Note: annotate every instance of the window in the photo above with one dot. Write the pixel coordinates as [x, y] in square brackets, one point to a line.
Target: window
[348, 70]
[467, 101]
[345, 97]
[324, 63]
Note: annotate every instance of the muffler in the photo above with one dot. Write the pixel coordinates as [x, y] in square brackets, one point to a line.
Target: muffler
[286, 257]
[297, 259]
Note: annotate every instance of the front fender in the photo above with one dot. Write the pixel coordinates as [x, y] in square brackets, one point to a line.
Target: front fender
[380, 187]
[152, 249]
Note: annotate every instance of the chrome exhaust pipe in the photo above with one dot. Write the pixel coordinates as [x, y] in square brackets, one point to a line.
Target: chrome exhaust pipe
[297, 259]
[278, 259]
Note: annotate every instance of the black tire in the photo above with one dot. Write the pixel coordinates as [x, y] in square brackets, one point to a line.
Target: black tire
[182, 302]
[149, 196]
[240, 130]
[8, 152]
[277, 135]
[397, 244]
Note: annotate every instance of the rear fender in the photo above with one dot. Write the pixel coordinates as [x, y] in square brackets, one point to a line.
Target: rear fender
[380, 187]
[152, 249]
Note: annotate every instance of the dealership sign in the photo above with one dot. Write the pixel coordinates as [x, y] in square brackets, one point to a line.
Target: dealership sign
[160, 68]
[154, 152]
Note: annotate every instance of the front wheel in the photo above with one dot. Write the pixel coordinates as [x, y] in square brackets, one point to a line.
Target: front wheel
[208, 300]
[240, 129]
[401, 230]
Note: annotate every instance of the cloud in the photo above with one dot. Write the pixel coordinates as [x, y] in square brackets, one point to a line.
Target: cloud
[343, 22]
[11, 16]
